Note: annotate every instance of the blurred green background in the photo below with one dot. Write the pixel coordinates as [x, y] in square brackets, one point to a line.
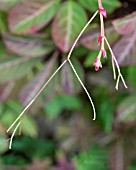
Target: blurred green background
[58, 132]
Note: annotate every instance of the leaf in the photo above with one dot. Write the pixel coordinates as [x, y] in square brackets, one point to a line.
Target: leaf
[29, 127]
[106, 114]
[126, 111]
[3, 141]
[89, 61]
[10, 113]
[68, 23]
[33, 86]
[5, 90]
[5, 5]
[28, 46]
[64, 164]
[13, 159]
[118, 157]
[131, 76]
[69, 81]
[93, 5]
[96, 158]
[124, 49]
[3, 24]
[30, 16]
[60, 102]
[15, 67]
[126, 24]
[133, 167]
[90, 39]
[38, 148]
[3, 51]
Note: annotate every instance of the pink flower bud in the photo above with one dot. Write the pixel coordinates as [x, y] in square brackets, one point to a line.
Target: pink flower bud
[100, 40]
[96, 60]
[97, 63]
[103, 12]
[104, 53]
[96, 68]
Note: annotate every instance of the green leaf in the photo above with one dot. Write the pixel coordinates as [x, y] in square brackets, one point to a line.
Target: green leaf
[28, 46]
[96, 158]
[29, 127]
[5, 5]
[3, 144]
[132, 167]
[132, 76]
[68, 23]
[90, 59]
[14, 160]
[13, 68]
[106, 114]
[10, 113]
[3, 51]
[38, 148]
[28, 17]
[126, 111]
[93, 5]
[3, 24]
[60, 102]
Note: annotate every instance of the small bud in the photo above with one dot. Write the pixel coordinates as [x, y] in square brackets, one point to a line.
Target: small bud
[104, 53]
[100, 40]
[103, 12]
[97, 63]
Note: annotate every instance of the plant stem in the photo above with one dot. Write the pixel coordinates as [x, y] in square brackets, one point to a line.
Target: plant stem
[100, 3]
[13, 135]
[114, 58]
[69, 55]
[83, 88]
[28, 106]
[67, 59]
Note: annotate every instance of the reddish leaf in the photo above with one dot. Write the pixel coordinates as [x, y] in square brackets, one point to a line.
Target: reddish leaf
[118, 159]
[31, 89]
[29, 16]
[124, 49]
[126, 111]
[64, 164]
[35, 46]
[69, 81]
[125, 25]
[5, 90]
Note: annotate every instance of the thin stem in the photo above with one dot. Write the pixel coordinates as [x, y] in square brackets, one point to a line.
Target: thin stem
[13, 135]
[100, 3]
[67, 59]
[69, 55]
[28, 106]
[117, 84]
[83, 88]
[113, 67]
[116, 63]
[102, 25]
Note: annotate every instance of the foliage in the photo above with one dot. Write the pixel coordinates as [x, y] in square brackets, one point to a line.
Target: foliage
[58, 133]
[96, 158]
